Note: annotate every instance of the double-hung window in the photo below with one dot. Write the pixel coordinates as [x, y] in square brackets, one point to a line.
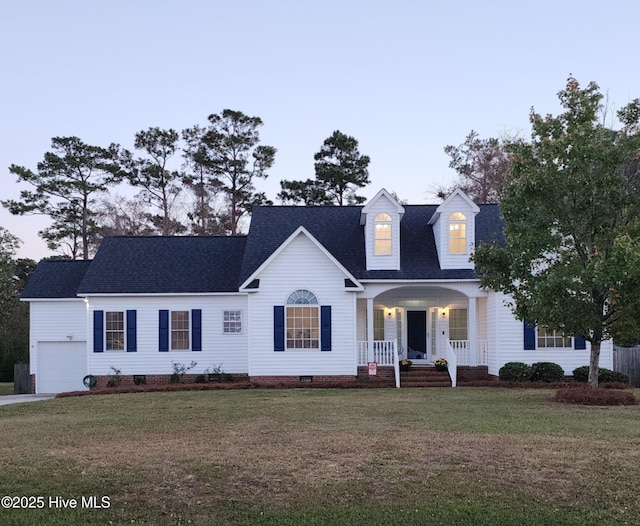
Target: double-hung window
[552, 338]
[302, 321]
[382, 237]
[180, 330]
[457, 233]
[114, 331]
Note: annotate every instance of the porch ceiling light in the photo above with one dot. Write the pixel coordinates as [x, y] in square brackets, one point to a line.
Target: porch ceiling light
[444, 312]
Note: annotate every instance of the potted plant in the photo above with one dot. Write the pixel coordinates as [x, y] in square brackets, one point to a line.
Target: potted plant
[441, 364]
[405, 364]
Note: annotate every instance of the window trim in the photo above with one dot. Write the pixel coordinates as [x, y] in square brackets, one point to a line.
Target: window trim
[453, 317]
[383, 220]
[123, 331]
[189, 330]
[303, 299]
[557, 334]
[460, 220]
[240, 321]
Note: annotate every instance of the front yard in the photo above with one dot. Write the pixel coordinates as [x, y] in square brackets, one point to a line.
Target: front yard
[375, 456]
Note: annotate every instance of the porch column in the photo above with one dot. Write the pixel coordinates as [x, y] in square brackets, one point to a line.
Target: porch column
[473, 332]
[370, 329]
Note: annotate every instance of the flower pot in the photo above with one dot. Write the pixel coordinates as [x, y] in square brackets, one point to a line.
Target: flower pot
[441, 367]
[405, 367]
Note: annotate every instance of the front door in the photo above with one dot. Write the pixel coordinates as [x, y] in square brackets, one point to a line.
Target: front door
[417, 334]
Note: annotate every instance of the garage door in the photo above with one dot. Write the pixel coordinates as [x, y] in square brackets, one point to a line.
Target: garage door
[61, 366]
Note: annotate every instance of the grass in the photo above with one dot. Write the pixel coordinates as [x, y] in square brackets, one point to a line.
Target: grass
[6, 388]
[375, 456]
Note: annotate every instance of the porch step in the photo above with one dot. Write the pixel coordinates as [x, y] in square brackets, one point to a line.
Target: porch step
[424, 376]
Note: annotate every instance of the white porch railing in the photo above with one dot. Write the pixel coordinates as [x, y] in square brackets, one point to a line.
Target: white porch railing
[452, 364]
[464, 353]
[384, 353]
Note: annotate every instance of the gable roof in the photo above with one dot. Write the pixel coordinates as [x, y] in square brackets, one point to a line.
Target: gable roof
[338, 230]
[302, 231]
[55, 279]
[457, 193]
[200, 265]
[158, 265]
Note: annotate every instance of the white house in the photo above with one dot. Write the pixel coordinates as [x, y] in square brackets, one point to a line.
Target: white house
[309, 293]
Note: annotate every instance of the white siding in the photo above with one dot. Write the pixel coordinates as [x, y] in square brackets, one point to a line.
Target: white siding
[230, 350]
[508, 335]
[391, 262]
[55, 321]
[302, 265]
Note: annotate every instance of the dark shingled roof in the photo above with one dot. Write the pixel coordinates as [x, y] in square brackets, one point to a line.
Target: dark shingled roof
[158, 265]
[55, 279]
[165, 265]
[338, 229]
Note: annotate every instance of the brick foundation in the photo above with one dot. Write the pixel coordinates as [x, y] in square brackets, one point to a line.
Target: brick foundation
[157, 379]
[467, 373]
[297, 381]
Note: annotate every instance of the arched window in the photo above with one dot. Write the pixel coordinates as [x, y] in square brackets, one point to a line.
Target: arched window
[457, 233]
[382, 236]
[302, 321]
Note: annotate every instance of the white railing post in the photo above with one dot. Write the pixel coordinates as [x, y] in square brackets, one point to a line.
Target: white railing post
[452, 364]
[472, 331]
[370, 342]
[396, 363]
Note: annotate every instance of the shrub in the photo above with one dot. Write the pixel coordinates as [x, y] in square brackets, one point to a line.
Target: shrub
[200, 379]
[546, 372]
[597, 396]
[515, 372]
[581, 374]
[607, 376]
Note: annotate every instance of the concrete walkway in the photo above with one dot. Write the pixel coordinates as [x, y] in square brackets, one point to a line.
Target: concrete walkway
[18, 399]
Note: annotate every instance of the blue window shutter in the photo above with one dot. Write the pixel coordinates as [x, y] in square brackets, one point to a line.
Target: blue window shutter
[529, 336]
[579, 343]
[278, 328]
[196, 330]
[132, 330]
[325, 328]
[98, 331]
[163, 326]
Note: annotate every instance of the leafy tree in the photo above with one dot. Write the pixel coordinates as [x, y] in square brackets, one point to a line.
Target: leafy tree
[227, 158]
[340, 171]
[159, 185]
[14, 315]
[65, 185]
[309, 192]
[482, 166]
[119, 216]
[571, 259]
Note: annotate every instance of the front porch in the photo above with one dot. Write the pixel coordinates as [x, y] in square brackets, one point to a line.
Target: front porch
[459, 353]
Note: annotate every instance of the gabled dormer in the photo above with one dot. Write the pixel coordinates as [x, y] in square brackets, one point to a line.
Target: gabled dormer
[454, 230]
[381, 219]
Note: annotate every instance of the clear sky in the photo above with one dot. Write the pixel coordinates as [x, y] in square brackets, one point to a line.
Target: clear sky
[404, 77]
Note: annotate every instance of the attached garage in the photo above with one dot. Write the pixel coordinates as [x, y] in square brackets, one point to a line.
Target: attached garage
[61, 366]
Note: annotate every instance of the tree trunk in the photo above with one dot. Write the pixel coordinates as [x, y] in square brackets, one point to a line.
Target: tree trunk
[594, 361]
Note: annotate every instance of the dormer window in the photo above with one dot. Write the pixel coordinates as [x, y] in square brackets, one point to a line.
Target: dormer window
[382, 241]
[457, 233]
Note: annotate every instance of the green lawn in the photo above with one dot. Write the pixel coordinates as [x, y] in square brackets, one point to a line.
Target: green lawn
[465, 456]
